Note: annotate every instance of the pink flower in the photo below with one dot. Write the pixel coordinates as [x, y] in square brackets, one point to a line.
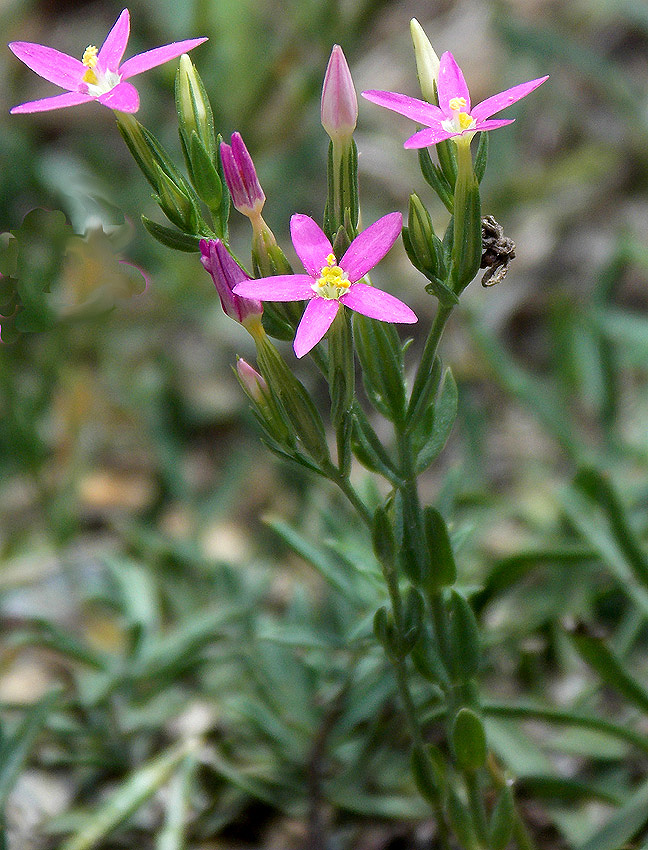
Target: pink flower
[98, 75]
[339, 103]
[241, 177]
[226, 273]
[329, 283]
[454, 115]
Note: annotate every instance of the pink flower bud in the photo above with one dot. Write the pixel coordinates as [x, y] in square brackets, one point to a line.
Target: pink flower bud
[241, 177]
[253, 383]
[226, 273]
[339, 101]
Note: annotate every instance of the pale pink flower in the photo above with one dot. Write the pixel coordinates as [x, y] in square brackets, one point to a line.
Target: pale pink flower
[454, 115]
[99, 74]
[328, 283]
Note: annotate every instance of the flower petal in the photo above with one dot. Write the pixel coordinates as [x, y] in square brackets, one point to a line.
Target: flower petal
[59, 101]
[427, 137]
[370, 246]
[317, 319]
[158, 56]
[451, 83]
[52, 65]
[122, 97]
[494, 123]
[311, 243]
[377, 304]
[500, 101]
[112, 50]
[411, 107]
[281, 287]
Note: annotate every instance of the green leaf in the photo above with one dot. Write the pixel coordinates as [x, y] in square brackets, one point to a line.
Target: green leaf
[381, 358]
[623, 825]
[129, 796]
[16, 748]
[610, 668]
[172, 238]
[445, 413]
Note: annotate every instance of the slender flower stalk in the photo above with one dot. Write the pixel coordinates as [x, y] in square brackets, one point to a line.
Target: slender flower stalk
[329, 283]
[226, 274]
[454, 116]
[99, 74]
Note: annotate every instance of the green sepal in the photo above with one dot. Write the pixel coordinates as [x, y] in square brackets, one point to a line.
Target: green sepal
[427, 766]
[447, 154]
[204, 175]
[381, 357]
[176, 203]
[294, 399]
[423, 246]
[435, 178]
[368, 449]
[467, 226]
[275, 323]
[207, 137]
[464, 639]
[442, 567]
[481, 157]
[341, 367]
[172, 238]
[444, 413]
[442, 291]
[500, 827]
[469, 740]
[342, 207]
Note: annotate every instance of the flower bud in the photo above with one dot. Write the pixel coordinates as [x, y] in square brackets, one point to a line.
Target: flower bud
[226, 273]
[192, 103]
[241, 177]
[254, 384]
[339, 101]
[427, 62]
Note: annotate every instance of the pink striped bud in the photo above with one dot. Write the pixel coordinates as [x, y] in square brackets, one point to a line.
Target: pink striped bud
[226, 273]
[241, 177]
[339, 101]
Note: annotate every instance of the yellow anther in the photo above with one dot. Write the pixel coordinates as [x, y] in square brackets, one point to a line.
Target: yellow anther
[90, 56]
[333, 281]
[457, 104]
[465, 120]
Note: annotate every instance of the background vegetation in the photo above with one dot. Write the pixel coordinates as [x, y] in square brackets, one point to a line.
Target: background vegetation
[183, 660]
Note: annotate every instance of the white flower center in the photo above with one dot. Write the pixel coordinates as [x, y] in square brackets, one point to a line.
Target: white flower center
[95, 81]
[333, 281]
[460, 121]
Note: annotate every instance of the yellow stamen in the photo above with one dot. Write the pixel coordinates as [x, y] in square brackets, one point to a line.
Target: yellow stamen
[90, 61]
[465, 120]
[90, 56]
[333, 281]
[457, 104]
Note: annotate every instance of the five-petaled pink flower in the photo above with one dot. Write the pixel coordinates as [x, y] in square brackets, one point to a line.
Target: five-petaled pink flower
[98, 75]
[329, 283]
[454, 115]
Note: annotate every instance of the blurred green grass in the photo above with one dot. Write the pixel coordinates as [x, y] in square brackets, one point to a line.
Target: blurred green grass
[123, 434]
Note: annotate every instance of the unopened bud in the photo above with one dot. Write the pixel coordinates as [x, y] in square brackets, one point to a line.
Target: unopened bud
[427, 62]
[192, 103]
[241, 178]
[226, 273]
[339, 101]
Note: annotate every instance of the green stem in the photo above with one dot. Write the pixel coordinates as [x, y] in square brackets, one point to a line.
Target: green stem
[334, 475]
[423, 382]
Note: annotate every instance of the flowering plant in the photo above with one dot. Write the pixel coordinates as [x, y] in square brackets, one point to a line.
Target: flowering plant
[425, 624]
